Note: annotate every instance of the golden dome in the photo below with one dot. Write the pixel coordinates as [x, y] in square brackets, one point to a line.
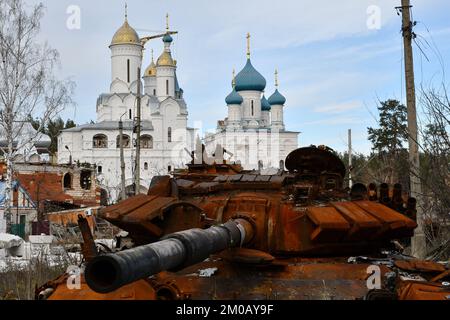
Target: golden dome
[165, 60]
[126, 35]
[151, 70]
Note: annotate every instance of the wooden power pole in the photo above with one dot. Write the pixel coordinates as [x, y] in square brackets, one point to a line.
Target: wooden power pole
[350, 160]
[418, 243]
[137, 171]
[122, 161]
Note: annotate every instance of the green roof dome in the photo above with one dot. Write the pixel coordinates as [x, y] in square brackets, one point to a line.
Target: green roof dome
[249, 79]
[234, 98]
[167, 38]
[277, 99]
[265, 105]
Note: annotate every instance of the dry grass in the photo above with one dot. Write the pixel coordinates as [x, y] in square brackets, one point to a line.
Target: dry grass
[19, 282]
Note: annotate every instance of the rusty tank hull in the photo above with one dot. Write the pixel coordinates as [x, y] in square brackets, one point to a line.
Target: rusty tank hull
[215, 231]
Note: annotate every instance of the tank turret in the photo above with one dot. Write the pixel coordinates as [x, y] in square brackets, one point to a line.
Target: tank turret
[297, 234]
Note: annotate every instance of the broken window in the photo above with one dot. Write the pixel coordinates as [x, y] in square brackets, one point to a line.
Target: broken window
[67, 181]
[146, 142]
[125, 142]
[85, 180]
[103, 197]
[100, 141]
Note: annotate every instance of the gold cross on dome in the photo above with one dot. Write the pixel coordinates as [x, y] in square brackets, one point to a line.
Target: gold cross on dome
[276, 78]
[234, 78]
[248, 45]
[167, 22]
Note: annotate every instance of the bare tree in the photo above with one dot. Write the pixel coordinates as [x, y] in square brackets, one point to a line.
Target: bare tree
[435, 168]
[28, 86]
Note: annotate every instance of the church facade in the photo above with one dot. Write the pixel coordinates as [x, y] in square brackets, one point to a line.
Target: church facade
[164, 131]
[254, 132]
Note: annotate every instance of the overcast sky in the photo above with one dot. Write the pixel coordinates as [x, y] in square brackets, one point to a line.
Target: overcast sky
[332, 67]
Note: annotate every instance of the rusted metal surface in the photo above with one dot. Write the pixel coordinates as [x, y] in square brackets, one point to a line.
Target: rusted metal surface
[302, 280]
[420, 266]
[139, 290]
[302, 232]
[410, 290]
[89, 249]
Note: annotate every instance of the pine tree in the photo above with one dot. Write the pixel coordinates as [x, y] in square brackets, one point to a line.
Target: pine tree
[388, 142]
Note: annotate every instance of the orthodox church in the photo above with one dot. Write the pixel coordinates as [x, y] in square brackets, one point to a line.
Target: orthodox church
[254, 132]
[164, 131]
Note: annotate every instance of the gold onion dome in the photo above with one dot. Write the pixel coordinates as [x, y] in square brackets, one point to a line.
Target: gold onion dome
[151, 70]
[165, 60]
[126, 35]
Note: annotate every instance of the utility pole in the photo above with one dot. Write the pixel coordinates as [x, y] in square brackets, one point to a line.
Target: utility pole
[137, 171]
[122, 161]
[350, 164]
[418, 242]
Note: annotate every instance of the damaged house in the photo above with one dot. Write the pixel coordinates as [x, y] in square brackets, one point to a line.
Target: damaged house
[23, 209]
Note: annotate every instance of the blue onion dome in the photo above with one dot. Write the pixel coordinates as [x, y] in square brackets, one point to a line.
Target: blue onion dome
[249, 79]
[167, 38]
[265, 105]
[277, 99]
[234, 98]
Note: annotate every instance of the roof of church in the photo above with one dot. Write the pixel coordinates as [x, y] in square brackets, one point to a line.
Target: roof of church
[234, 98]
[167, 38]
[110, 125]
[265, 105]
[250, 79]
[151, 70]
[277, 99]
[165, 59]
[126, 35]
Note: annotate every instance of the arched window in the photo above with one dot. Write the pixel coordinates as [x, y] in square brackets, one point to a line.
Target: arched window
[67, 181]
[125, 142]
[145, 166]
[167, 87]
[253, 108]
[130, 115]
[169, 134]
[146, 142]
[154, 92]
[128, 70]
[100, 141]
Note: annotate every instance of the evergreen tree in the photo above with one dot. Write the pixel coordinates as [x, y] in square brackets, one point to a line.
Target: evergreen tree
[388, 143]
[69, 124]
[52, 130]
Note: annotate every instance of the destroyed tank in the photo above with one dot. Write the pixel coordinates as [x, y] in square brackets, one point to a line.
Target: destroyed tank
[215, 231]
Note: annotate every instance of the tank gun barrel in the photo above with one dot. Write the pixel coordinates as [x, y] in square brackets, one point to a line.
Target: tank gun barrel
[109, 272]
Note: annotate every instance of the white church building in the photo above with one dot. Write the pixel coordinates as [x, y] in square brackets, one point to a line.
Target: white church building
[164, 130]
[254, 131]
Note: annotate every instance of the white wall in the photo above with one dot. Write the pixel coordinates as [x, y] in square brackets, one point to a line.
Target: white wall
[164, 74]
[120, 53]
[248, 97]
[251, 146]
